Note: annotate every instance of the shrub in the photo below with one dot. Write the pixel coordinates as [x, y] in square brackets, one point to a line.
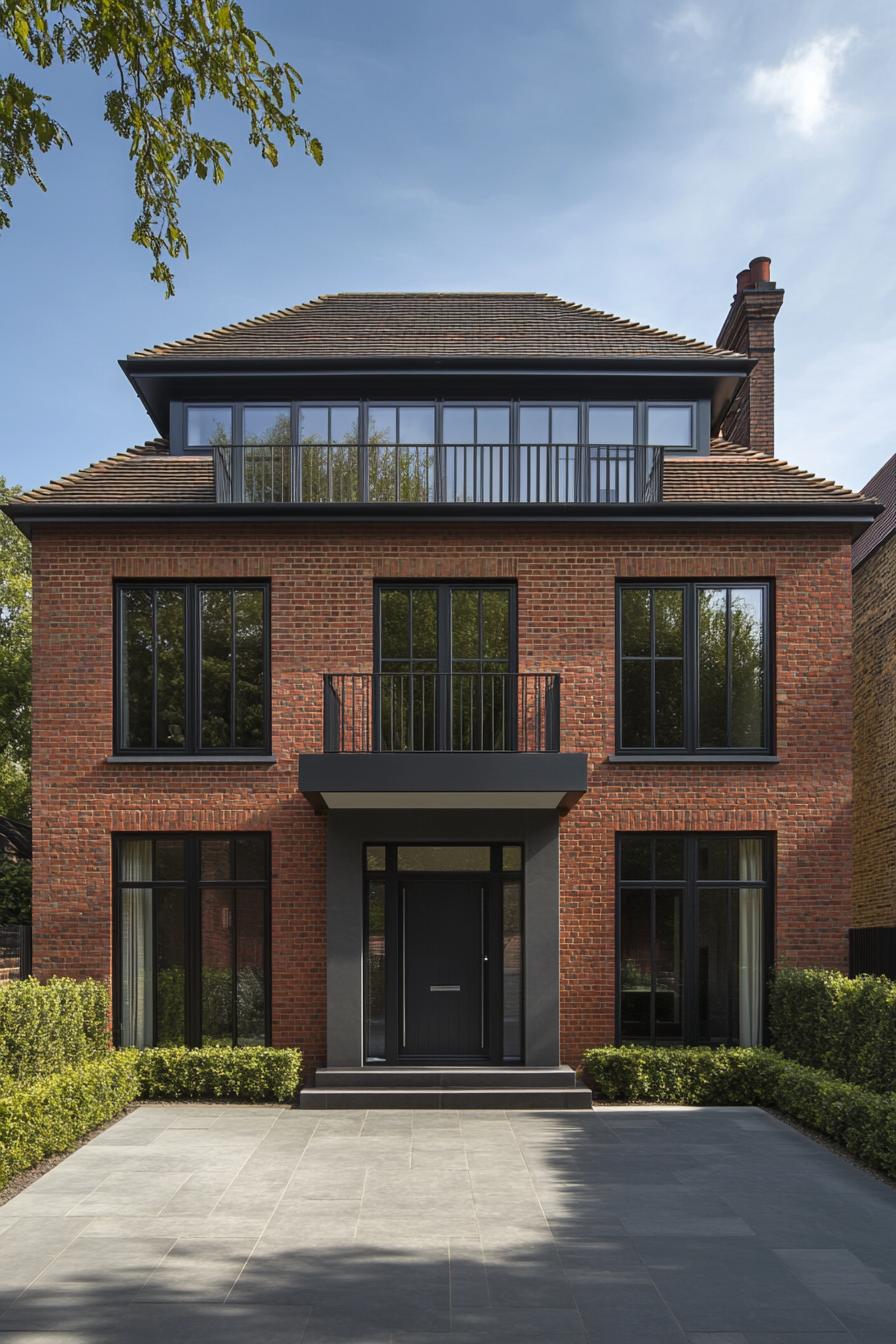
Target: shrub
[698, 1076]
[861, 1121]
[827, 1021]
[243, 1073]
[48, 1027]
[49, 1115]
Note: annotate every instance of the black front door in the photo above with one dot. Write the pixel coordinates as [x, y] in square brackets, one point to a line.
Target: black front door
[444, 922]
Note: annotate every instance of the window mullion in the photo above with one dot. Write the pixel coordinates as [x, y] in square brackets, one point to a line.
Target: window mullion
[154, 728]
[652, 592]
[692, 668]
[729, 670]
[233, 606]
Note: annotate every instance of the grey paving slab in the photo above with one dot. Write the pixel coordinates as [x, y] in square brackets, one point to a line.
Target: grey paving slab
[186, 1224]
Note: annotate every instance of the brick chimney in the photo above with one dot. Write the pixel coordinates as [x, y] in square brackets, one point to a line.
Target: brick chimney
[749, 328]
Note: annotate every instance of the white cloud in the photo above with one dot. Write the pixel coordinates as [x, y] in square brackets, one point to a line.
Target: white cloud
[802, 87]
[689, 20]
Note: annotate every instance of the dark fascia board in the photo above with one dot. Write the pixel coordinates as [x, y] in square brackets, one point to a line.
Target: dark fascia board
[857, 513]
[719, 366]
[565, 773]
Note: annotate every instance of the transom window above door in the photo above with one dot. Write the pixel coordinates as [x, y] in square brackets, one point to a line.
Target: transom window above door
[446, 655]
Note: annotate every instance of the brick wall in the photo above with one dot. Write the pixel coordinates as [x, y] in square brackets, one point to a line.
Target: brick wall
[874, 597]
[321, 618]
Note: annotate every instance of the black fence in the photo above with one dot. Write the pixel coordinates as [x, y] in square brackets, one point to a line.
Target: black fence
[15, 951]
[872, 952]
[429, 711]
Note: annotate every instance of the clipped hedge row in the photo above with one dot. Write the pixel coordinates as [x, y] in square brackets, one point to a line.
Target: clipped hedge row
[243, 1073]
[861, 1121]
[49, 1115]
[827, 1021]
[45, 1028]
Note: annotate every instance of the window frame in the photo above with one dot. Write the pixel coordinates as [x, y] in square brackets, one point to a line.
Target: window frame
[191, 885]
[191, 588]
[690, 885]
[691, 750]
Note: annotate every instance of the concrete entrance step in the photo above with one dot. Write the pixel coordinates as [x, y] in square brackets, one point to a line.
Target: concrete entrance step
[465, 1077]
[575, 1098]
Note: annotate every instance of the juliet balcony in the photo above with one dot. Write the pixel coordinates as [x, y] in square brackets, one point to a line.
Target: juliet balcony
[433, 740]
[351, 473]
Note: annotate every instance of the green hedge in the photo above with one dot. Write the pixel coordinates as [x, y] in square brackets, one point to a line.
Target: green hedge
[827, 1021]
[861, 1121]
[699, 1076]
[49, 1115]
[48, 1027]
[243, 1073]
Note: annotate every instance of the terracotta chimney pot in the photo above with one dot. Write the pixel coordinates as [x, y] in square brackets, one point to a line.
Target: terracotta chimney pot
[743, 279]
[760, 270]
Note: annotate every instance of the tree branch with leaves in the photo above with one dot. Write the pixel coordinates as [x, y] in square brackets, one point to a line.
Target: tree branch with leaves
[163, 58]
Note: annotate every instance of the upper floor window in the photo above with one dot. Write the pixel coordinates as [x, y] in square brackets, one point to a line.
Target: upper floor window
[693, 667]
[192, 668]
[209, 426]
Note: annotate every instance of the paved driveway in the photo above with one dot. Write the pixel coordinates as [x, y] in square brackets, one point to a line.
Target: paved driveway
[226, 1224]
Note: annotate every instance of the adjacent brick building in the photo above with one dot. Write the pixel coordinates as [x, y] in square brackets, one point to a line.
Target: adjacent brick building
[441, 688]
[874, 599]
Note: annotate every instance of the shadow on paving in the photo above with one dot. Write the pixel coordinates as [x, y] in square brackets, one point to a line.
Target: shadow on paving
[215, 1223]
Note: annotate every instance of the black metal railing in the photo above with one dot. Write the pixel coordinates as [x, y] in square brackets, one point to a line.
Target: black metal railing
[433, 712]
[15, 952]
[450, 473]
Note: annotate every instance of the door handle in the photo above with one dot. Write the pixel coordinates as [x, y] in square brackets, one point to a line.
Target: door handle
[444, 989]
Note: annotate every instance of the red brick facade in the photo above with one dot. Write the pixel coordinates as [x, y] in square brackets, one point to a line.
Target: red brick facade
[321, 621]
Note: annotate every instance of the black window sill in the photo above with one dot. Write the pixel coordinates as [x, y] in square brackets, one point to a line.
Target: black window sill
[163, 758]
[704, 758]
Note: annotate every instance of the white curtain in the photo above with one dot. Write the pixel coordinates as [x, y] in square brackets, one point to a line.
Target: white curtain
[750, 943]
[135, 858]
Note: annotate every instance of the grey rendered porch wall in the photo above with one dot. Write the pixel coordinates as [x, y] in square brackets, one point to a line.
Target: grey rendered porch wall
[347, 832]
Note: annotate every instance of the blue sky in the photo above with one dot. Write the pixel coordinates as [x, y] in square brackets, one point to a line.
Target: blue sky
[632, 155]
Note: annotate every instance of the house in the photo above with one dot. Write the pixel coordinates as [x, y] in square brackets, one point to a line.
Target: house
[874, 604]
[456, 682]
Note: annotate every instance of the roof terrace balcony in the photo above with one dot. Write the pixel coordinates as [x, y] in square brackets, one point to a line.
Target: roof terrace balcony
[351, 473]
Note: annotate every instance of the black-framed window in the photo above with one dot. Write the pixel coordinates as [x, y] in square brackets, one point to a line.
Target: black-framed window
[192, 939]
[192, 668]
[694, 667]
[694, 937]
[445, 657]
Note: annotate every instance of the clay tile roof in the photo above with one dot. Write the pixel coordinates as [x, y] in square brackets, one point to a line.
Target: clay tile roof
[149, 474]
[436, 326]
[882, 486]
[731, 473]
[145, 474]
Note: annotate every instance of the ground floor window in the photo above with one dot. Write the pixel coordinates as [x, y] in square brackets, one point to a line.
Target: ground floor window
[192, 915]
[443, 965]
[694, 937]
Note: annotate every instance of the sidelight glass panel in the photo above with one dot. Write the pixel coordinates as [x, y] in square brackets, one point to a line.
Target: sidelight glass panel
[512, 948]
[216, 615]
[635, 964]
[444, 858]
[217, 966]
[512, 858]
[375, 978]
[250, 977]
[137, 651]
[170, 966]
